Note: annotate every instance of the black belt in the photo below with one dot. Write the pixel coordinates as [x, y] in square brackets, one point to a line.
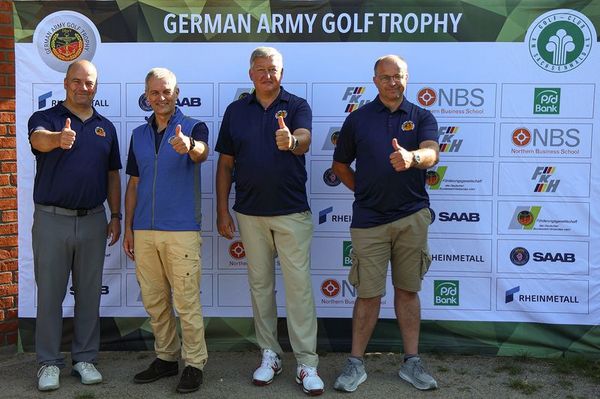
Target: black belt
[57, 210]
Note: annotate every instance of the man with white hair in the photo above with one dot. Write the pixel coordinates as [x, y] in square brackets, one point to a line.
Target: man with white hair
[264, 137]
[162, 229]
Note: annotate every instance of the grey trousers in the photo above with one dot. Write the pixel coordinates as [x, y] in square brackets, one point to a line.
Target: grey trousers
[62, 245]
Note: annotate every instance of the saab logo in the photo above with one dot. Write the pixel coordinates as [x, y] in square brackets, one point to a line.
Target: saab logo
[330, 288]
[104, 290]
[519, 256]
[434, 177]
[445, 293]
[242, 93]
[143, 103]
[549, 137]
[453, 97]
[42, 99]
[544, 184]
[471, 217]
[524, 218]
[323, 214]
[546, 101]
[353, 95]
[189, 102]
[432, 215]
[560, 40]
[509, 295]
[330, 178]
[347, 254]
[565, 257]
[447, 140]
[236, 250]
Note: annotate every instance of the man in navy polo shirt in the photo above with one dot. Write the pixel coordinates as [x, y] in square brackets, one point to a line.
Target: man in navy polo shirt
[393, 142]
[77, 169]
[262, 142]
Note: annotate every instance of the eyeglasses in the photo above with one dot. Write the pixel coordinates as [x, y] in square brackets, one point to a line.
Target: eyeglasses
[266, 71]
[387, 78]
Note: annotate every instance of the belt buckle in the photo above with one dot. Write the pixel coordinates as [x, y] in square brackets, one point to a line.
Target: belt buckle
[82, 212]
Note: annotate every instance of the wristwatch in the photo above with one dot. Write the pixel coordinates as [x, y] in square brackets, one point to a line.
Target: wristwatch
[192, 144]
[116, 215]
[294, 143]
[416, 159]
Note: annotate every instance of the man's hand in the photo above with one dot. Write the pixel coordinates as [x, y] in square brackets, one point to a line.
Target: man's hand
[400, 159]
[225, 225]
[180, 142]
[113, 231]
[128, 244]
[67, 136]
[283, 136]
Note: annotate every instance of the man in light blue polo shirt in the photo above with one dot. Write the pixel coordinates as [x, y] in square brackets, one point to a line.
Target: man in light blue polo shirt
[262, 142]
[393, 142]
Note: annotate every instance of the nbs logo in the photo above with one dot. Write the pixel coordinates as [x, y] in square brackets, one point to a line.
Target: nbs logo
[352, 96]
[236, 250]
[446, 293]
[542, 176]
[546, 101]
[458, 97]
[560, 40]
[447, 139]
[546, 139]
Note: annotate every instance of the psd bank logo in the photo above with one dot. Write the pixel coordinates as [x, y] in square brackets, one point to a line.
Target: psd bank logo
[42, 100]
[544, 184]
[447, 139]
[509, 295]
[435, 177]
[519, 256]
[446, 293]
[353, 95]
[330, 288]
[560, 40]
[546, 101]
[524, 218]
[347, 253]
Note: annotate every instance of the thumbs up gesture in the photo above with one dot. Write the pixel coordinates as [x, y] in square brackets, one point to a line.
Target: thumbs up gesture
[180, 142]
[283, 136]
[400, 159]
[67, 136]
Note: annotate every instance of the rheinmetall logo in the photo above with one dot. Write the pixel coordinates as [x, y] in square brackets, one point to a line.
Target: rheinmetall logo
[445, 293]
[560, 40]
[546, 101]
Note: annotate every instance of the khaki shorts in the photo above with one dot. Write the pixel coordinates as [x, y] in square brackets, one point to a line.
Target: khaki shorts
[403, 243]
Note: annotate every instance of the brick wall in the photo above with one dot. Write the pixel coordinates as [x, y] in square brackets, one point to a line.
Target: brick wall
[9, 275]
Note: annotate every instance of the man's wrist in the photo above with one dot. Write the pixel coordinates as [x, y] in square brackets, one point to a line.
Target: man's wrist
[116, 215]
[192, 144]
[295, 143]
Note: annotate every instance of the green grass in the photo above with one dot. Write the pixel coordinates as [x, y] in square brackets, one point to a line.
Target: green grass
[442, 369]
[578, 365]
[523, 386]
[511, 369]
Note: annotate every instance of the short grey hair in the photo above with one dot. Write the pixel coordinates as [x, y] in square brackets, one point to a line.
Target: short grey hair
[265, 52]
[161, 73]
[390, 57]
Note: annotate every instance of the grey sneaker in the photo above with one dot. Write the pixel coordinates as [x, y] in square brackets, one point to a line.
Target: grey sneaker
[414, 372]
[352, 376]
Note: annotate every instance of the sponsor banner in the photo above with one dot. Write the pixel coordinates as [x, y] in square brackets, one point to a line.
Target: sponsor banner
[208, 213]
[455, 100]
[544, 218]
[542, 295]
[334, 291]
[329, 253]
[231, 254]
[339, 99]
[230, 92]
[207, 171]
[456, 293]
[195, 99]
[206, 252]
[461, 217]
[134, 295]
[547, 100]
[461, 178]
[548, 140]
[107, 100]
[545, 179]
[460, 255]
[324, 138]
[324, 181]
[466, 139]
[543, 257]
[331, 215]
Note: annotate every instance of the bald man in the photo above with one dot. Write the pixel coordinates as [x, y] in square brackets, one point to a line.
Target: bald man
[77, 169]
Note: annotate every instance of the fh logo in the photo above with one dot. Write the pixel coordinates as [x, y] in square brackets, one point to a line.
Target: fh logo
[544, 184]
[447, 140]
[352, 96]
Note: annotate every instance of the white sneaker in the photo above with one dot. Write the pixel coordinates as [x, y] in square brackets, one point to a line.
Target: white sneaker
[269, 368]
[312, 384]
[87, 372]
[48, 378]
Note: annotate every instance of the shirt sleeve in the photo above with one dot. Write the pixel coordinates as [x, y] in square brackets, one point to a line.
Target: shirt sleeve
[224, 141]
[428, 127]
[38, 121]
[345, 148]
[302, 118]
[200, 132]
[114, 162]
[132, 167]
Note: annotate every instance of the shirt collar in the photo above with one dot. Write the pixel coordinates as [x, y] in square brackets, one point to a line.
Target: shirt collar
[405, 106]
[65, 111]
[282, 96]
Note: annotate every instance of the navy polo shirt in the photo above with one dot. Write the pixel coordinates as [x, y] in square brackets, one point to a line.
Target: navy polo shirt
[382, 195]
[75, 178]
[199, 133]
[268, 182]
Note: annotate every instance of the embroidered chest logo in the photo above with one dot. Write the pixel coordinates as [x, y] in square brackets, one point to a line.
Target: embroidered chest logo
[100, 132]
[408, 126]
[281, 112]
